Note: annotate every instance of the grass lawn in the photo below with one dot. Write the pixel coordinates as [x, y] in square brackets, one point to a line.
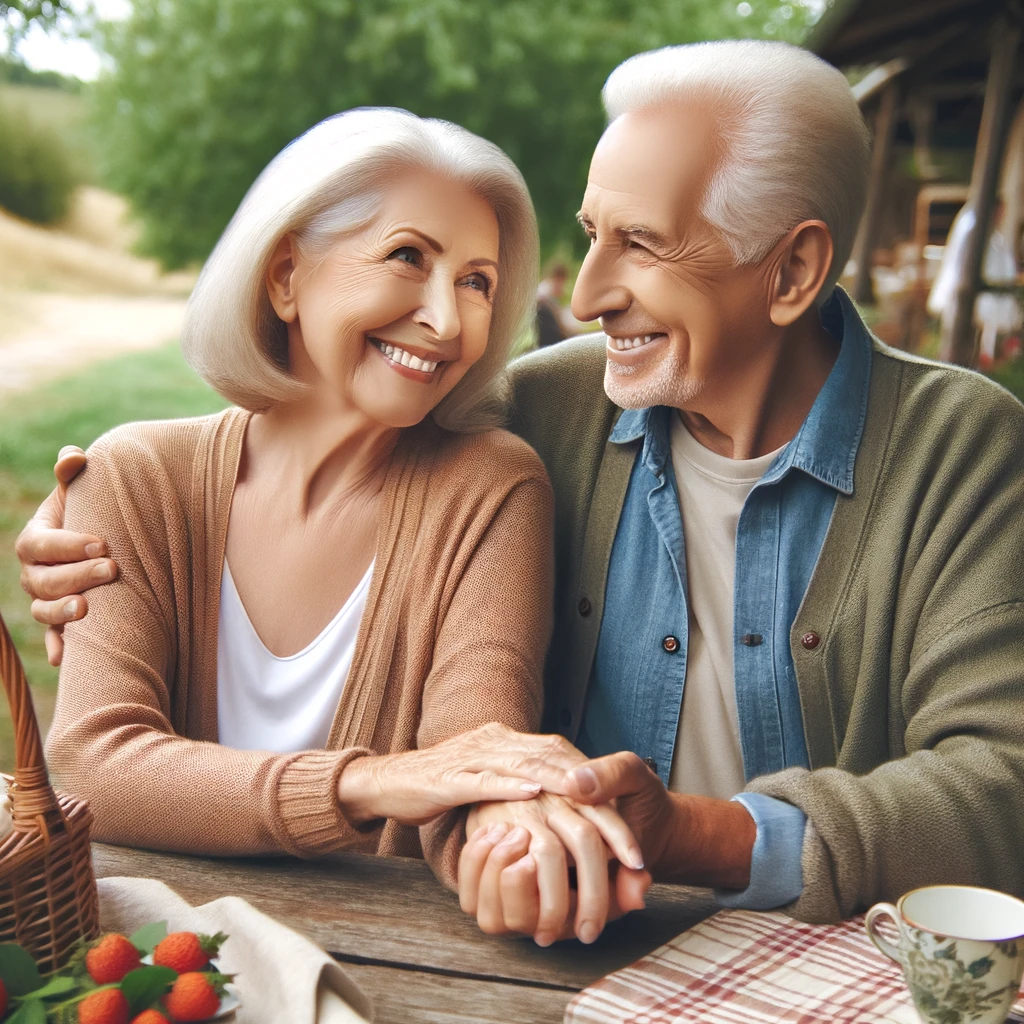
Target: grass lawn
[33, 428]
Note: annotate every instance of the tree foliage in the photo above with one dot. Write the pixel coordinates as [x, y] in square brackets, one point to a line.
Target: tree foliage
[205, 92]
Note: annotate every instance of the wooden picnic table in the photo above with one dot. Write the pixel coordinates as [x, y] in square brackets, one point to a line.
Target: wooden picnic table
[402, 937]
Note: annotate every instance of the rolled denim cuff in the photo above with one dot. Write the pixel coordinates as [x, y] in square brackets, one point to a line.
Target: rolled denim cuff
[776, 872]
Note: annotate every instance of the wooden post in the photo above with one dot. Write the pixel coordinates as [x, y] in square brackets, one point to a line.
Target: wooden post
[957, 341]
[881, 153]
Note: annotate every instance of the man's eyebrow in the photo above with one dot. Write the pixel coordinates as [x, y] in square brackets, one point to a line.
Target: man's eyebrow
[646, 234]
[640, 231]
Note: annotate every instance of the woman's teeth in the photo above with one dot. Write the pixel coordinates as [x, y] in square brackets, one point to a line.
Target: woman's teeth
[399, 355]
[625, 343]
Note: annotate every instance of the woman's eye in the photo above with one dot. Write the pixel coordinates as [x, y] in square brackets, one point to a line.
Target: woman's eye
[481, 282]
[407, 254]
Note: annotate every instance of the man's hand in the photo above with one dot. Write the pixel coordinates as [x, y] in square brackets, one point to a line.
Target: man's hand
[692, 839]
[514, 871]
[58, 566]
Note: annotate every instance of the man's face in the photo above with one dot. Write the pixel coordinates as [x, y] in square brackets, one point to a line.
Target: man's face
[682, 320]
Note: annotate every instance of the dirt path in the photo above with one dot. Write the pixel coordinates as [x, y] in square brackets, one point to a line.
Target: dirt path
[48, 335]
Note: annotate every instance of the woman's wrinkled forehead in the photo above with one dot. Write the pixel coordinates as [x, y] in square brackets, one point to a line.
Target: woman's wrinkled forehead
[451, 217]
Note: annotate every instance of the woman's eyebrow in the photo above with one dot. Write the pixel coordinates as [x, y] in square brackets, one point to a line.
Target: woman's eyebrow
[483, 263]
[432, 242]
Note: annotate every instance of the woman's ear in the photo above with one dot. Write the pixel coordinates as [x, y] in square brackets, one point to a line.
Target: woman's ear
[804, 263]
[280, 279]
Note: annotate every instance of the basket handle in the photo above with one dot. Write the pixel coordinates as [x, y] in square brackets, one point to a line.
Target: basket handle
[34, 802]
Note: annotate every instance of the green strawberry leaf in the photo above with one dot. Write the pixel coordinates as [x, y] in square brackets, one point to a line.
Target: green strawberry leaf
[18, 970]
[145, 985]
[218, 981]
[210, 944]
[32, 1012]
[57, 986]
[145, 940]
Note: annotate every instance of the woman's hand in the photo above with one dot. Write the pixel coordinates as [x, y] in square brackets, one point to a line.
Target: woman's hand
[491, 762]
[514, 871]
[58, 566]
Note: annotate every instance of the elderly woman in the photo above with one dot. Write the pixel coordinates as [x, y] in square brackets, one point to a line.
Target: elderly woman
[334, 599]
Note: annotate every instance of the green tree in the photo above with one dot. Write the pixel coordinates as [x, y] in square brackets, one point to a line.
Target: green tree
[205, 92]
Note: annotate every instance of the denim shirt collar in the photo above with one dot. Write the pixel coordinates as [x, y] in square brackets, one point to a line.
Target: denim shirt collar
[825, 446]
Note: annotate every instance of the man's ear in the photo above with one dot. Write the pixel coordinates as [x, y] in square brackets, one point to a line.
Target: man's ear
[280, 279]
[804, 259]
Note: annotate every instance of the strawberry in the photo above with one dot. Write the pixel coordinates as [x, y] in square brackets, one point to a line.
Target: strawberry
[150, 1017]
[185, 951]
[195, 996]
[111, 959]
[104, 1006]
[3, 998]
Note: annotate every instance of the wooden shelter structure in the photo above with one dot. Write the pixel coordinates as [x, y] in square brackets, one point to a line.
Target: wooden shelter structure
[932, 59]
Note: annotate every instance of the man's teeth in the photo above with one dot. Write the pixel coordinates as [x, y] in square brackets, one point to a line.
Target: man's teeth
[399, 355]
[624, 343]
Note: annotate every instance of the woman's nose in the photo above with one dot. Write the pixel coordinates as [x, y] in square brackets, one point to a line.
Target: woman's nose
[440, 312]
[596, 291]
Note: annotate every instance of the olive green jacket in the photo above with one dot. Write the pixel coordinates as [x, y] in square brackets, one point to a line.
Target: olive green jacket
[913, 701]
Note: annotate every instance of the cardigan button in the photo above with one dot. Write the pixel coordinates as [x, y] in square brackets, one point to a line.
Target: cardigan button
[810, 640]
[671, 644]
[565, 718]
[584, 606]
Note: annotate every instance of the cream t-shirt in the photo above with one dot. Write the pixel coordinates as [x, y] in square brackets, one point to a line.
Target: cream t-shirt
[708, 758]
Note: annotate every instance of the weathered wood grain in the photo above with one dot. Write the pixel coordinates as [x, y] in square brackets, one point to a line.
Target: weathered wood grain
[414, 997]
[392, 911]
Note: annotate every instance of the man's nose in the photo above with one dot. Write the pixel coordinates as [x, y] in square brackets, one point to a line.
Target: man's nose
[597, 292]
[440, 312]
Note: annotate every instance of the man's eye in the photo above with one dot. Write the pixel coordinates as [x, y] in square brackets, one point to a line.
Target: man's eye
[407, 254]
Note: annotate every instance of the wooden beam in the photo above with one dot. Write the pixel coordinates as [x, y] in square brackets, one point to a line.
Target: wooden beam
[881, 158]
[956, 344]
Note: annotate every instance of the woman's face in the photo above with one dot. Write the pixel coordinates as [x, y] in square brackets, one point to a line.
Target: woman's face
[398, 312]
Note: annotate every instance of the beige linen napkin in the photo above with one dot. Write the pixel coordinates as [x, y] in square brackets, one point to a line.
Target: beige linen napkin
[280, 975]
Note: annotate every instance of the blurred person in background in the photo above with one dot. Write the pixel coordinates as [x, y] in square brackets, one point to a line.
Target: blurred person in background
[551, 310]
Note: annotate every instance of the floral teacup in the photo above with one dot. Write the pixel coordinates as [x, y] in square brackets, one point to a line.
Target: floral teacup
[961, 950]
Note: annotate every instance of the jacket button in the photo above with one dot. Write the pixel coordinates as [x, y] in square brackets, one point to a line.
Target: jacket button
[810, 640]
[671, 644]
[652, 764]
[751, 639]
[584, 606]
[565, 718]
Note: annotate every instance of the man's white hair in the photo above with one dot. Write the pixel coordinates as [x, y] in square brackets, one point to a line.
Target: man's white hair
[331, 181]
[794, 144]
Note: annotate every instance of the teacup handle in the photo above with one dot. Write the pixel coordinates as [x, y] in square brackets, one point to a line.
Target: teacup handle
[883, 946]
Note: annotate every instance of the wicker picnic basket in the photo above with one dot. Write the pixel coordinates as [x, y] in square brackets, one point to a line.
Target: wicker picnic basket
[48, 900]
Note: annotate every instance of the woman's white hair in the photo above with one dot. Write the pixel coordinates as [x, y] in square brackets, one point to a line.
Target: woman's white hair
[794, 144]
[330, 181]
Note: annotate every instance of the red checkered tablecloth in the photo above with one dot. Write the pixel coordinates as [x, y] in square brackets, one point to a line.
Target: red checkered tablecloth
[742, 967]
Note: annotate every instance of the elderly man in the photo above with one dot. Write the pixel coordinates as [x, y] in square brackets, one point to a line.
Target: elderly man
[790, 620]
[790, 558]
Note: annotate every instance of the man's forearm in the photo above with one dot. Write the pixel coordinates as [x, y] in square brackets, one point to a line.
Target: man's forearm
[709, 842]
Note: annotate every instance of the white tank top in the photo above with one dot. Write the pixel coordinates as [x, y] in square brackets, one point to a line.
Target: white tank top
[281, 704]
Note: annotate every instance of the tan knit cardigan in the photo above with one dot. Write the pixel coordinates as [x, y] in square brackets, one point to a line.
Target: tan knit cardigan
[453, 636]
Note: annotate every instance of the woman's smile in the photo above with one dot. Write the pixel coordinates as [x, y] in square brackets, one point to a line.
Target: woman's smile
[406, 363]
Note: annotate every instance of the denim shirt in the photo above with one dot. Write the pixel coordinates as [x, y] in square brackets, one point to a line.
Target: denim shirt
[636, 687]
